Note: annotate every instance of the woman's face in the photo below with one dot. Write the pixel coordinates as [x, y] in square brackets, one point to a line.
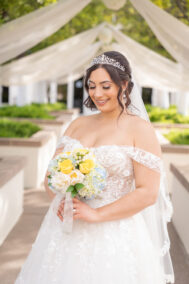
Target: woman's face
[103, 91]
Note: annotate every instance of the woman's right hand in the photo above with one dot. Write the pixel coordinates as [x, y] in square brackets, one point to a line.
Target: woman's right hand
[61, 209]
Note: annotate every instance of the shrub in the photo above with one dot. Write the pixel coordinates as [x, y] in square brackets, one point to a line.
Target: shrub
[170, 115]
[178, 136]
[31, 111]
[24, 129]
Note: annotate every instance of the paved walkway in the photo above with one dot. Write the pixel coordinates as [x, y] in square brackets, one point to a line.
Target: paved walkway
[18, 244]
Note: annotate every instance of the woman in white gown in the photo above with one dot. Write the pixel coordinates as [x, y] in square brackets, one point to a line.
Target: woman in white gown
[119, 237]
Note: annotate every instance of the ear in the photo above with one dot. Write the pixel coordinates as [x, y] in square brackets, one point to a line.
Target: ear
[124, 85]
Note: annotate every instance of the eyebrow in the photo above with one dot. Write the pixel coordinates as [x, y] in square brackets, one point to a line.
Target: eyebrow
[90, 81]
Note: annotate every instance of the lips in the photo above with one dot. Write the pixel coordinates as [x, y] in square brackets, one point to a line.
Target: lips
[101, 102]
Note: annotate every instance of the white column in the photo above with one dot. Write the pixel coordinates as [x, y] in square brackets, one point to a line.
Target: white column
[70, 92]
[164, 99]
[183, 103]
[154, 99]
[14, 92]
[42, 92]
[1, 94]
[160, 98]
[35, 93]
[53, 92]
[174, 98]
[21, 98]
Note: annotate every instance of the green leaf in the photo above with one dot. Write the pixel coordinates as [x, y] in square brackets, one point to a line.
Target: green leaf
[79, 186]
[49, 176]
[74, 192]
[70, 188]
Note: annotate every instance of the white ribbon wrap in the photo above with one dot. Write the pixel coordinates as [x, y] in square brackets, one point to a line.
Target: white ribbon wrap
[67, 223]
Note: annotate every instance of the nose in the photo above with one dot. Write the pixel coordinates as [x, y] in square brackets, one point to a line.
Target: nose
[98, 92]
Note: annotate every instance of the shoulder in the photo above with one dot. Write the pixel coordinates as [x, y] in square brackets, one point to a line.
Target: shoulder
[145, 136]
[78, 122]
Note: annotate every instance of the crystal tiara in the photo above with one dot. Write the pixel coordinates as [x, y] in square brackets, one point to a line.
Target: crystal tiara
[104, 59]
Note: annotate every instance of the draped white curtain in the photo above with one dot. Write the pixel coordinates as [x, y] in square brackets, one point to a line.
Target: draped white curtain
[53, 62]
[172, 33]
[150, 68]
[23, 33]
[71, 56]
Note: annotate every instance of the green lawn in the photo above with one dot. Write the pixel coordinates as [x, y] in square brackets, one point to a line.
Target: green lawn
[24, 129]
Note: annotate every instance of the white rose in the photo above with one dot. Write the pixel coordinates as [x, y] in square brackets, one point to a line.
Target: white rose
[61, 182]
[76, 177]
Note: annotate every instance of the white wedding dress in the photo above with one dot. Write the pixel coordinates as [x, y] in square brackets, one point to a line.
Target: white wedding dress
[112, 252]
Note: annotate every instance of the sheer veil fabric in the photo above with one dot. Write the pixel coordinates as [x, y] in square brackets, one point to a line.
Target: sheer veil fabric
[158, 215]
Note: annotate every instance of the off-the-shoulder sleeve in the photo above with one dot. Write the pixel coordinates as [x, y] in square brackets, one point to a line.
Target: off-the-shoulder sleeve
[146, 158]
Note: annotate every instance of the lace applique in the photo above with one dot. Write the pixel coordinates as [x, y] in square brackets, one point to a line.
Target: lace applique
[146, 158]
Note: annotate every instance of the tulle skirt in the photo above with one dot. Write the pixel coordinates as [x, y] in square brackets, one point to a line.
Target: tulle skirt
[112, 252]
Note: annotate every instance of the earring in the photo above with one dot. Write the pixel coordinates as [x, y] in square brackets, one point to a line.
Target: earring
[125, 96]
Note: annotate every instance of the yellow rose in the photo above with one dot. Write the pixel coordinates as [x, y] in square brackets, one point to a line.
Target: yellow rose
[86, 166]
[66, 166]
[68, 153]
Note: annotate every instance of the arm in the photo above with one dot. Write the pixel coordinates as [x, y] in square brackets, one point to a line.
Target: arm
[147, 181]
[68, 132]
[48, 190]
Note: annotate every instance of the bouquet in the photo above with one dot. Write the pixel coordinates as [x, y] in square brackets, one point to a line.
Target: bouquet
[77, 172]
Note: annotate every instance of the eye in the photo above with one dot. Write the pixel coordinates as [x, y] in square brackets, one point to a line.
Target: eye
[106, 87]
[90, 87]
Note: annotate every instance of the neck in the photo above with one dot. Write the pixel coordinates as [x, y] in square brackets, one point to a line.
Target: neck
[111, 115]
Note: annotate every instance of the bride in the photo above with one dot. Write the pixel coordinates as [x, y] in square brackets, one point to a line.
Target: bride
[121, 235]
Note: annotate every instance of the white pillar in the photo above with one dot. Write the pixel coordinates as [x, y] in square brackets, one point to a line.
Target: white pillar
[70, 92]
[183, 103]
[42, 92]
[53, 92]
[14, 92]
[160, 98]
[174, 99]
[164, 99]
[1, 95]
[21, 98]
[154, 99]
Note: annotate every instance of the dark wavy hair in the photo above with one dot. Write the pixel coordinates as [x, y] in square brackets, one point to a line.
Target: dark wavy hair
[117, 75]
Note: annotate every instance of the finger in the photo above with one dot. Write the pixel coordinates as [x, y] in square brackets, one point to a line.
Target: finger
[59, 212]
[62, 202]
[75, 200]
[61, 207]
[77, 216]
[60, 216]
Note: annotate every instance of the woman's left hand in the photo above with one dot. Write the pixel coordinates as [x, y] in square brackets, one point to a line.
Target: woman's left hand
[82, 211]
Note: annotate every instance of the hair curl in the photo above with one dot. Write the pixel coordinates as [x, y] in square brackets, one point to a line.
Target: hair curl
[118, 76]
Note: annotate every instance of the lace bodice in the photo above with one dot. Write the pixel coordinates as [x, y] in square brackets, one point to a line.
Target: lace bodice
[117, 160]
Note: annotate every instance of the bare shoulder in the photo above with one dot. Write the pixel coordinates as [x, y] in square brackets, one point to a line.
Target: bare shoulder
[145, 136]
[78, 122]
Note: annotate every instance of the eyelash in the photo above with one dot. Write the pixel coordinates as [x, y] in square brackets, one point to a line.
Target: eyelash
[106, 88]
